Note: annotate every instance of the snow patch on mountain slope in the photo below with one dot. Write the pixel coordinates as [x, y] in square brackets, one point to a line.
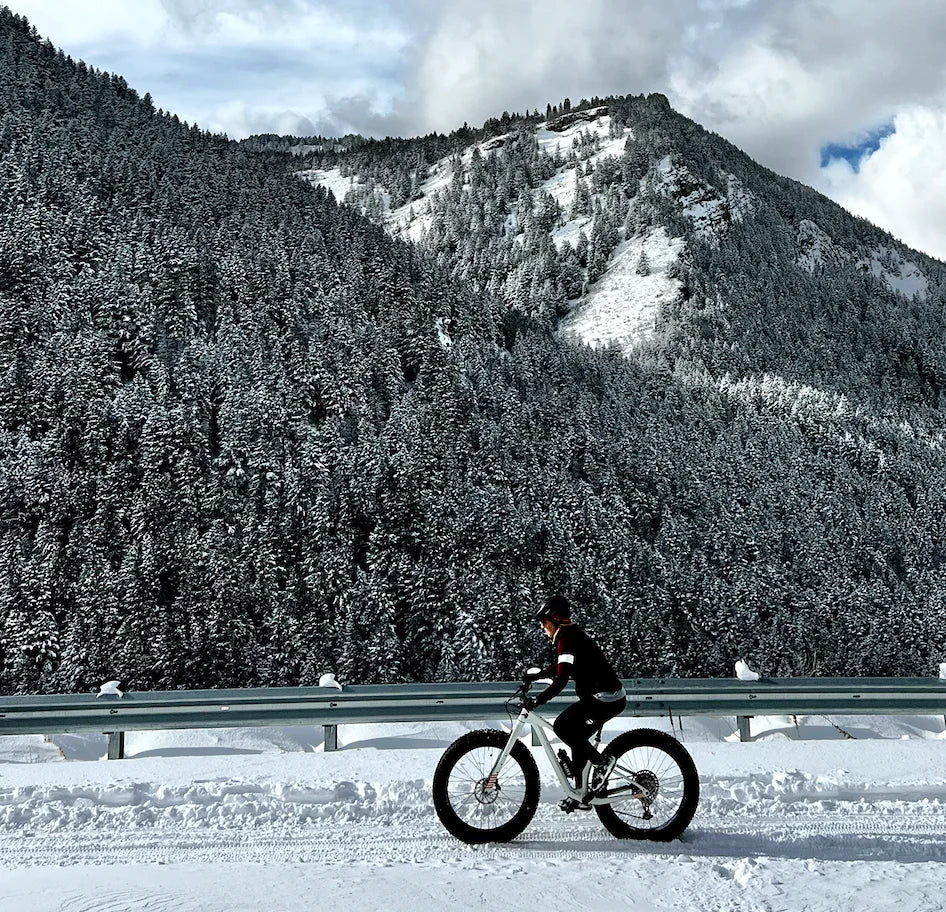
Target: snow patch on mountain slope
[413, 219]
[816, 249]
[570, 231]
[331, 179]
[899, 273]
[563, 188]
[442, 335]
[621, 307]
[410, 221]
[597, 124]
[563, 185]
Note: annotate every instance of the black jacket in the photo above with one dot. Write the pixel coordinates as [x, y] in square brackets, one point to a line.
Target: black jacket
[579, 657]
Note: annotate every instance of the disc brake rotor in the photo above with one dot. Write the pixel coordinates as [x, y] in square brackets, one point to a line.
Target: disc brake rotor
[486, 790]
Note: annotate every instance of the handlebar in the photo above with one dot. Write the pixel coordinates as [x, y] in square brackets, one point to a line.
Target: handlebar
[515, 702]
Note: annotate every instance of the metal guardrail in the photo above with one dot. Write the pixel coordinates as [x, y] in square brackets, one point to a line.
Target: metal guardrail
[267, 706]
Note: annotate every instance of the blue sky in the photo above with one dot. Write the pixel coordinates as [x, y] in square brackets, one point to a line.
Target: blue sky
[856, 150]
[845, 96]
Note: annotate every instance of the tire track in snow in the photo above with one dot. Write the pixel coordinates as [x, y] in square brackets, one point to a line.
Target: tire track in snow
[883, 838]
[124, 901]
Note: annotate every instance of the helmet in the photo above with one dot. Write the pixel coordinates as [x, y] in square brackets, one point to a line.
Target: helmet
[556, 608]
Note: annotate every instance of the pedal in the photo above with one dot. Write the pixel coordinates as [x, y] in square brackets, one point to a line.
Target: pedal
[570, 805]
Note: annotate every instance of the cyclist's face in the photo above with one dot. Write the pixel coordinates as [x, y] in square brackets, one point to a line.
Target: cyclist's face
[549, 627]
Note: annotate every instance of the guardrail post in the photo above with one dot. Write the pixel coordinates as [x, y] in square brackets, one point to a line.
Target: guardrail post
[116, 745]
[744, 733]
[330, 737]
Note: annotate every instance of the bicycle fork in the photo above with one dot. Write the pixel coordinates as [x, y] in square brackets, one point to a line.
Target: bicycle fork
[492, 780]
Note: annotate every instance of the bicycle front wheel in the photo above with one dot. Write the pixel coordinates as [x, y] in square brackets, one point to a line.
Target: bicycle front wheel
[476, 807]
[654, 788]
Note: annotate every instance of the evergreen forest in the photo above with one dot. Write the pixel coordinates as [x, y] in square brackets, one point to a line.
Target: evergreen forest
[247, 437]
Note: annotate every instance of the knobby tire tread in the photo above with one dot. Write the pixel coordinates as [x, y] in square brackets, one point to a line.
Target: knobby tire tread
[448, 817]
[647, 737]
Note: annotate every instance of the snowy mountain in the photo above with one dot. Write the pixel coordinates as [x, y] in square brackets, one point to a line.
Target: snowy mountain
[623, 191]
[247, 437]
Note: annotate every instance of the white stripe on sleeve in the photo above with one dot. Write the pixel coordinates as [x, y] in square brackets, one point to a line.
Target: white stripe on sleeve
[566, 659]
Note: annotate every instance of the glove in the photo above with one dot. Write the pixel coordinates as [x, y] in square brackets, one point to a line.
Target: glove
[528, 703]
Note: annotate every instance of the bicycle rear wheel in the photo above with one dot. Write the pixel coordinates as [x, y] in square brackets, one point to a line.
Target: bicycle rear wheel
[475, 809]
[654, 786]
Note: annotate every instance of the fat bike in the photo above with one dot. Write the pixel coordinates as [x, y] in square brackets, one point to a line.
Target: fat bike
[486, 785]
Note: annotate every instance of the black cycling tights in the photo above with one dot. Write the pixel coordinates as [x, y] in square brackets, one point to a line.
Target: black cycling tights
[576, 724]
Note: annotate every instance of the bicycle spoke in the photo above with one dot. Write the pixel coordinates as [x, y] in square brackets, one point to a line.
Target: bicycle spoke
[466, 767]
[476, 799]
[472, 801]
[636, 769]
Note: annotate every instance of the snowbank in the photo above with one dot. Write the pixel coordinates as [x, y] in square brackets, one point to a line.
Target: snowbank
[262, 819]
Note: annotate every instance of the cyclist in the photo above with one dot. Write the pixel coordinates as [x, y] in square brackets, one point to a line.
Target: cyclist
[600, 693]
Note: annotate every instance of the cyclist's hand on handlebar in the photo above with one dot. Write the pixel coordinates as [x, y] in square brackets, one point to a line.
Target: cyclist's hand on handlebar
[528, 703]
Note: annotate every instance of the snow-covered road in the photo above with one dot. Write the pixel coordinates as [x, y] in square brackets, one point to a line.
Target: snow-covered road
[782, 825]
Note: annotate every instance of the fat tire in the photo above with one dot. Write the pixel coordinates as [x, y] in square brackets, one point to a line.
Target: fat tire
[648, 737]
[449, 818]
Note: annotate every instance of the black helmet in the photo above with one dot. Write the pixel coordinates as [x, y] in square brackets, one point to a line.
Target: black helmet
[556, 608]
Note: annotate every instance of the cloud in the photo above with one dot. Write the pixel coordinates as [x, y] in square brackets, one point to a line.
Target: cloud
[900, 186]
[785, 78]
[480, 59]
[855, 148]
[99, 23]
[781, 80]
[238, 66]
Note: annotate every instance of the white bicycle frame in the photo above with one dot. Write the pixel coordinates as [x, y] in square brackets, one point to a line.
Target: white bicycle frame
[538, 724]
